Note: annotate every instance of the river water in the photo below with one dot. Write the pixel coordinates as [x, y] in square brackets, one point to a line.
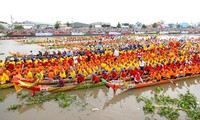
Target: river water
[119, 106]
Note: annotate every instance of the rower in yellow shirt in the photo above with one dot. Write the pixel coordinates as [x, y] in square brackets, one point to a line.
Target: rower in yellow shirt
[30, 75]
[2, 80]
[63, 74]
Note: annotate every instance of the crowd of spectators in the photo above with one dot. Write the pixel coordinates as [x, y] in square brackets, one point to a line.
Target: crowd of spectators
[31, 32]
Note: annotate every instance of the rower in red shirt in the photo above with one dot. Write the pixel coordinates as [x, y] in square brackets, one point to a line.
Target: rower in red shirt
[123, 74]
[80, 79]
[114, 74]
[105, 75]
[95, 79]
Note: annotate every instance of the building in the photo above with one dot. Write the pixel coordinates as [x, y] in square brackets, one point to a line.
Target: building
[138, 25]
[4, 24]
[184, 25]
[79, 25]
[26, 24]
[124, 25]
[195, 24]
[100, 24]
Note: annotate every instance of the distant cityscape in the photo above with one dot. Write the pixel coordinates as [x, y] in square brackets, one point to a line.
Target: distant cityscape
[37, 25]
[29, 28]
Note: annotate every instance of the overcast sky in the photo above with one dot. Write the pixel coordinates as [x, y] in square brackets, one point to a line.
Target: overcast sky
[112, 11]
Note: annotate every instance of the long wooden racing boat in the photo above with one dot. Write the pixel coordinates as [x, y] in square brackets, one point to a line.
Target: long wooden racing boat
[125, 85]
[41, 82]
[19, 85]
[6, 85]
[16, 54]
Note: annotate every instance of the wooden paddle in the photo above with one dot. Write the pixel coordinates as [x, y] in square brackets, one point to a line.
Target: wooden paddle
[174, 83]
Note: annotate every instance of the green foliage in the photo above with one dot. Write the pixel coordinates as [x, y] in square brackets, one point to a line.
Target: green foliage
[194, 114]
[164, 100]
[187, 101]
[14, 107]
[159, 89]
[68, 24]
[88, 86]
[90, 26]
[140, 98]
[169, 107]
[2, 98]
[2, 27]
[155, 25]
[18, 27]
[57, 25]
[22, 96]
[88, 93]
[170, 25]
[38, 99]
[178, 25]
[144, 26]
[149, 107]
[118, 25]
[168, 112]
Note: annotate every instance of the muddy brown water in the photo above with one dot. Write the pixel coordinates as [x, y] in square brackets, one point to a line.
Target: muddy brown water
[121, 106]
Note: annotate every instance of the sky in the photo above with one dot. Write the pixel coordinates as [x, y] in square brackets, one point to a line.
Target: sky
[110, 11]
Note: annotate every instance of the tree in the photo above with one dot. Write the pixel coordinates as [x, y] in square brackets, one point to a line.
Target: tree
[57, 25]
[38, 26]
[90, 26]
[68, 24]
[170, 25]
[1, 27]
[178, 25]
[118, 25]
[138, 24]
[18, 27]
[144, 26]
[130, 25]
[155, 25]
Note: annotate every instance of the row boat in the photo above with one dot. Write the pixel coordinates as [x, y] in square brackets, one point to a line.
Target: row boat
[125, 85]
[6, 85]
[19, 85]
[69, 86]
[115, 86]
[41, 82]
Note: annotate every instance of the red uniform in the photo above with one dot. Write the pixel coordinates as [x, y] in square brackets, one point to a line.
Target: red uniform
[114, 74]
[105, 76]
[123, 74]
[95, 78]
[80, 78]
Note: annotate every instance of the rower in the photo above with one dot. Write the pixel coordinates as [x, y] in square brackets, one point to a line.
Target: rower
[95, 79]
[61, 82]
[80, 79]
[105, 75]
[142, 64]
[123, 74]
[114, 75]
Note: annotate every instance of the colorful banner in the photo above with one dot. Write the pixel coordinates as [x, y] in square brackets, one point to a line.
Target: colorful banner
[115, 33]
[164, 32]
[184, 32]
[43, 34]
[81, 33]
[98, 33]
[3, 35]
